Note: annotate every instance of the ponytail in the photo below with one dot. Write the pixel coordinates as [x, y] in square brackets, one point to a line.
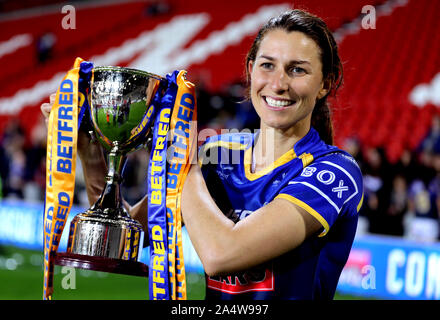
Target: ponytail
[322, 121]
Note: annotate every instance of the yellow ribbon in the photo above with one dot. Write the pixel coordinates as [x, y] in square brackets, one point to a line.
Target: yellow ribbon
[60, 169]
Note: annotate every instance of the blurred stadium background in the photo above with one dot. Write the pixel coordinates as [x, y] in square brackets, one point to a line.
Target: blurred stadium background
[386, 115]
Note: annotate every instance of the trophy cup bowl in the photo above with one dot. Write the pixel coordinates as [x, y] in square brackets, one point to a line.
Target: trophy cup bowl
[121, 116]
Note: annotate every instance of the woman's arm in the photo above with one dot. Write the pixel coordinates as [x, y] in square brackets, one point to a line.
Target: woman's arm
[139, 212]
[225, 247]
[93, 165]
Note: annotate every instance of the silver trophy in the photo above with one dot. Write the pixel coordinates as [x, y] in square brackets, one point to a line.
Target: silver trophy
[105, 237]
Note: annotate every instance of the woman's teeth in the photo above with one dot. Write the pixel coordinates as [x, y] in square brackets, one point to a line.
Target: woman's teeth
[278, 103]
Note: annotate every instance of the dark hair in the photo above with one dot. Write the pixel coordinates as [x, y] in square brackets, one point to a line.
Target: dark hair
[316, 29]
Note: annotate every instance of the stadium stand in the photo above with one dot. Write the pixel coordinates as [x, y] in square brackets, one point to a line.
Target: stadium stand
[382, 67]
[100, 27]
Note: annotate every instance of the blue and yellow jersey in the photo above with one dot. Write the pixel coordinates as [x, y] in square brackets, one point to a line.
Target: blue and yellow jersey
[322, 179]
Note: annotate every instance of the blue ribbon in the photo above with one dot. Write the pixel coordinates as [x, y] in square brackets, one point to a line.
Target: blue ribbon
[85, 75]
[159, 285]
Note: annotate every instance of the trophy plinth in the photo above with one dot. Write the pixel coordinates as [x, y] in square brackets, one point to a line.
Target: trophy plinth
[97, 234]
[105, 237]
[131, 268]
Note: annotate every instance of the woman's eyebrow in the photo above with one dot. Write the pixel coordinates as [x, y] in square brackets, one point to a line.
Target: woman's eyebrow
[299, 62]
[295, 62]
[266, 57]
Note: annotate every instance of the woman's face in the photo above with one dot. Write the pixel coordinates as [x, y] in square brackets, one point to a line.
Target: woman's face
[286, 79]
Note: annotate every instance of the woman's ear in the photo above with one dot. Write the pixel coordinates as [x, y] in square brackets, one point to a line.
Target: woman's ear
[250, 66]
[326, 86]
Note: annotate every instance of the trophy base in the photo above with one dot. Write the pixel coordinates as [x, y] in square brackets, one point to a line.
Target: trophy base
[96, 234]
[103, 264]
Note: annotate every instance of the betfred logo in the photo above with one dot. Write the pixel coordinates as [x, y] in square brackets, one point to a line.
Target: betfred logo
[253, 280]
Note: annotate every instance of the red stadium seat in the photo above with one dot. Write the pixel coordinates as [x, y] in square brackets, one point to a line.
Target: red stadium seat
[383, 66]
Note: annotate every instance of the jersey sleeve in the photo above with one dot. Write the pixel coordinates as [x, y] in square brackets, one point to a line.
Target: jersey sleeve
[326, 189]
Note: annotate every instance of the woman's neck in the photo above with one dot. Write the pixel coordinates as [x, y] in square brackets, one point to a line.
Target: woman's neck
[273, 143]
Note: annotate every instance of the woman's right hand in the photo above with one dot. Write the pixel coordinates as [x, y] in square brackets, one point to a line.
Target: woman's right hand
[47, 107]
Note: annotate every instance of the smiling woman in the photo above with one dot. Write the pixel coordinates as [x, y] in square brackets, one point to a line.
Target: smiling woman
[301, 194]
[286, 81]
[314, 53]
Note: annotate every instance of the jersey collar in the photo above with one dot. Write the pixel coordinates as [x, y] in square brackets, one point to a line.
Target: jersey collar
[302, 147]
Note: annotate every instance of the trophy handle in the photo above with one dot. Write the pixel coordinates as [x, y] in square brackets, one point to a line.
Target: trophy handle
[110, 200]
